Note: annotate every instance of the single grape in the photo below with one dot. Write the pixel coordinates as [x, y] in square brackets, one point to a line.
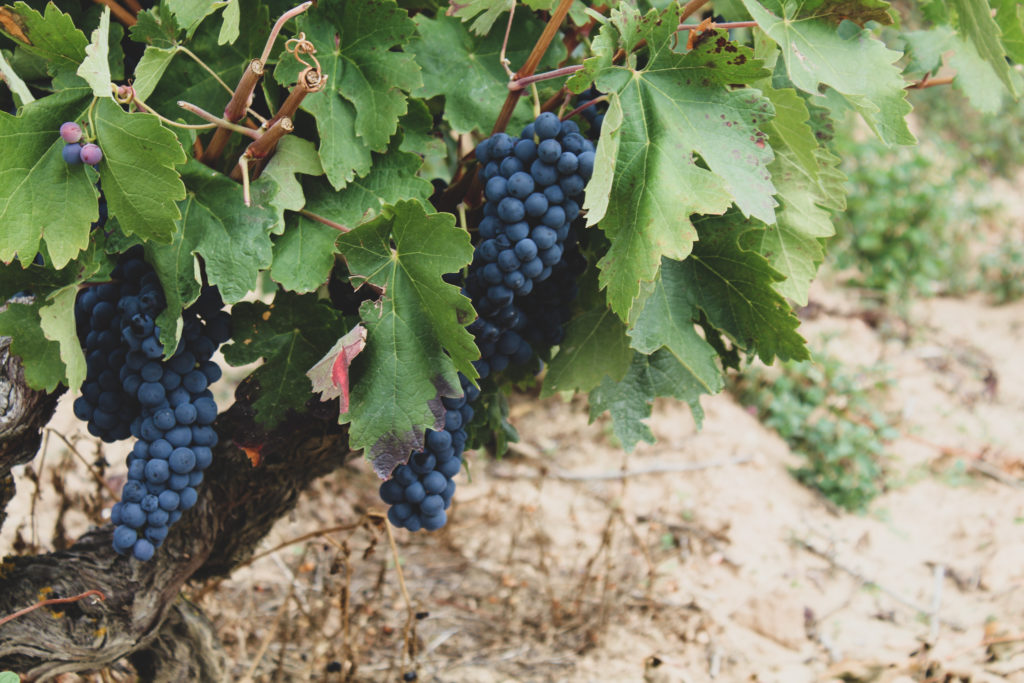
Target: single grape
[70, 131]
[72, 154]
[91, 154]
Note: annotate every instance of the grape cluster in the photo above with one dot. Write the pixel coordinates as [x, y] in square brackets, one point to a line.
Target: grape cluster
[74, 151]
[594, 114]
[166, 404]
[421, 490]
[531, 184]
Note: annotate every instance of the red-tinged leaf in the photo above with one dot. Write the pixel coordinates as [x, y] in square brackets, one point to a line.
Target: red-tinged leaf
[330, 374]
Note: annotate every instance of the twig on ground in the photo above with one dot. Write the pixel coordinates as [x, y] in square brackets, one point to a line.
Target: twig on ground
[829, 557]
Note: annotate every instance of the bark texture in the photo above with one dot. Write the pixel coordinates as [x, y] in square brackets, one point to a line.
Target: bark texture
[143, 617]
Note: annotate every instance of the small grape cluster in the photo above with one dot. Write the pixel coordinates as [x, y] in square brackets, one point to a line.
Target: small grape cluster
[420, 491]
[166, 404]
[74, 151]
[594, 115]
[531, 185]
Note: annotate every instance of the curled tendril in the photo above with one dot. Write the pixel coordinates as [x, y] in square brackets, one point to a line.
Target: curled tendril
[299, 46]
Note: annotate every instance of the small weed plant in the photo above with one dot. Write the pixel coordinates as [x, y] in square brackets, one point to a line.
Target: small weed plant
[829, 417]
[1002, 273]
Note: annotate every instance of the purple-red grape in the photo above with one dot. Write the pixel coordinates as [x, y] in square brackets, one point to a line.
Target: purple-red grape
[91, 154]
[70, 131]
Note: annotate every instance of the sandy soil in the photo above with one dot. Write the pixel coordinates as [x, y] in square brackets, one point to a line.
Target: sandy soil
[696, 559]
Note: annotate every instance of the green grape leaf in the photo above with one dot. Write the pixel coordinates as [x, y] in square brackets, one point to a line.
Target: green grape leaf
[735, 289]
[1010, 17]
[44, 369]
[156, 27]
[304, 254]
[232, 17]
[190, 13]
[661, 122]
[667, 321]
[51, 36]
[629, 401]
[416, 336]
[367, 82]
[475, 92]
[420, 138]
[391, 178]
[95, 68]
[980, 29]
[150, 70]
[294, 155]
[140, 182]
[488, 11]
[175, 265]
[855, 64]
[290, 335]
[595, 346]
[974, 76]
[42, 198]
[233, 239]
[57, 321]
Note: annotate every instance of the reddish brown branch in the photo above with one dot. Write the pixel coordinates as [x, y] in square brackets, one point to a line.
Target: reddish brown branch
[928, 82]
[521, 83]
[120, 13]
[531, 63]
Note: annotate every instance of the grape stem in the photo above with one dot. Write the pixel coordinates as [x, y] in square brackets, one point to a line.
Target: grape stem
[214, 121]
[520, 83]
[590, 103]
[184, 50]
[52, 601]
[505, 63]
[929, 82]
[690, 8]
[325, 221]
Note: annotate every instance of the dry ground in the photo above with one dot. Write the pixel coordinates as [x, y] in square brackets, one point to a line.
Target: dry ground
[696, 559]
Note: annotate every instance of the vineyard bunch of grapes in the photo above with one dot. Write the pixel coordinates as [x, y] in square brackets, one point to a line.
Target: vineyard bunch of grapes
[366, 201]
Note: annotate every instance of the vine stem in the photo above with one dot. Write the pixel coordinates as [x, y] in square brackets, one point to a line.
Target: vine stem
[725, 24]
[325, 221]
[278, 25]
[531, 63]
[122, 15]
[589, 103]
[691, 7]
[520, 83]
[928, 82]
[52, 601]
[214, 120]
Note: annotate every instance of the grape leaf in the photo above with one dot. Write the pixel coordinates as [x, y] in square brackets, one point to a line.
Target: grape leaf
[330, 375]
[416, 336]
[233, 239]
[629, 401]
[974, 76]
[42, 198]
[95, 68]
[290, 335]
[19, 90]
[475, 92]
[190, 13]
[140, 182]
[595, 346]
[57, 321]
[391, 178]
[662, 121]
[979, 28]
[666, 321]
[488, 11]
[175, 265]
[150, 70]
[294, 155]
[304, 254]
[232, 16]
[367, 82]
[734, 288]
[44, 369]
[855, 64]
[51, 36]
[1010, 17]
[156, 27]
